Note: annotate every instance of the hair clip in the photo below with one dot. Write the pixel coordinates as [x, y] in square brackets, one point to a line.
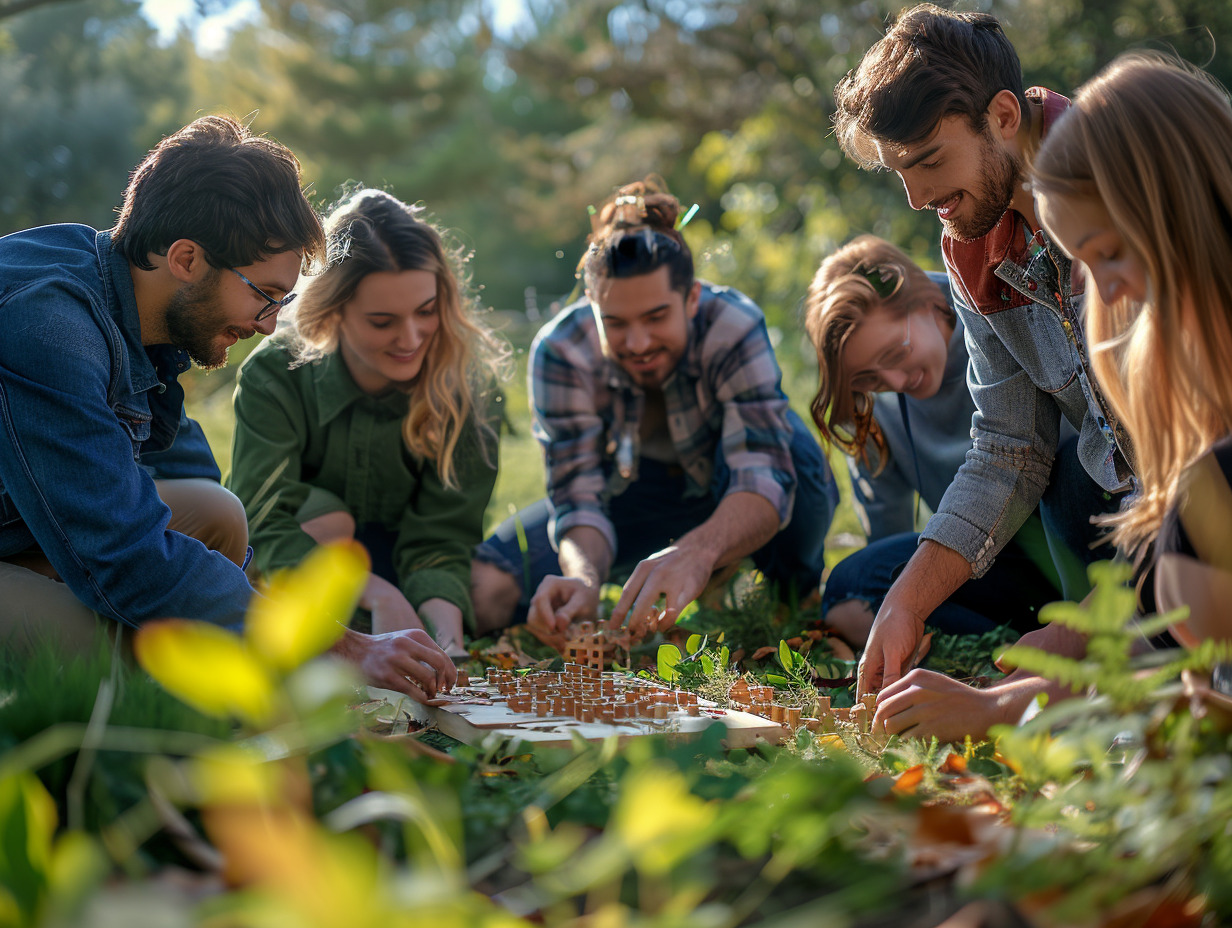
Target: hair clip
[634, 200]
[684, 221]
[884, 281]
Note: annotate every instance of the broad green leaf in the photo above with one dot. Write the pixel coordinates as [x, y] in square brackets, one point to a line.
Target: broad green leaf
[668, 657]
[724, 656]
[707, 663]
[785, 656]
[659, 820]
[693, 644]
[207, 667]
[231, 774]
[305, 610]
[27, 824]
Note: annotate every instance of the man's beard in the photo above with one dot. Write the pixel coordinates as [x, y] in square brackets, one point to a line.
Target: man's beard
[195, 321]
[1001, 172]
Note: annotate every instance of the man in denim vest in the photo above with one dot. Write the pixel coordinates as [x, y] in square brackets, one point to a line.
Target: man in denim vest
[939, 101]
[210, 240]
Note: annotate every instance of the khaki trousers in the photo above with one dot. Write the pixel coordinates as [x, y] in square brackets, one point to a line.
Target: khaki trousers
[36, 606]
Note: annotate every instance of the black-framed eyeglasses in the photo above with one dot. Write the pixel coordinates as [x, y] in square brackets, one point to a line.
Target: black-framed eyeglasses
[271, 305]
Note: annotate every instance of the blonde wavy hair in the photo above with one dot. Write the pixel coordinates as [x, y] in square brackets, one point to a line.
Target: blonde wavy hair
[372, 231]
[1150, 138]
[864, 275]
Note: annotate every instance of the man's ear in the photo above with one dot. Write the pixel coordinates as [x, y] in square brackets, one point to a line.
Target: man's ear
[186, 261]
[691, 301]
[1005, 114]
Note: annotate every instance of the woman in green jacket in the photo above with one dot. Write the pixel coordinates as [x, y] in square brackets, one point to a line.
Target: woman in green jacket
[373, 416]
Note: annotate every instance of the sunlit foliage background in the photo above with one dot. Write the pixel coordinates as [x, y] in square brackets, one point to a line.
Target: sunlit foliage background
[509, 132]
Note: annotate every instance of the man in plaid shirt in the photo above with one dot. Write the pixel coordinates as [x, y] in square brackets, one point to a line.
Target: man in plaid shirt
[669, 445]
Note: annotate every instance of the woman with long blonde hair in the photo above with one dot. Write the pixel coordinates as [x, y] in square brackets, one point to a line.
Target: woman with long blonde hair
[373, 416]
[1136, 183]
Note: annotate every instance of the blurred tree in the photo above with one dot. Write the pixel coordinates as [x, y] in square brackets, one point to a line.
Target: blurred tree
[730, 100]
[13, 7]
[413, 100]
[87, 91]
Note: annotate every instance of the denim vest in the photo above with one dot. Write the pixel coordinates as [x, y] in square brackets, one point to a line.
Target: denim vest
[80, 400]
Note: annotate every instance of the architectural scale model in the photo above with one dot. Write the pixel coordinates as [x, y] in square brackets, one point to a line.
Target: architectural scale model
[547, 708]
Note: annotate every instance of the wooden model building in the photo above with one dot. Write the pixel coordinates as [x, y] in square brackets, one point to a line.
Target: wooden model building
[589, 646]
[547, 708]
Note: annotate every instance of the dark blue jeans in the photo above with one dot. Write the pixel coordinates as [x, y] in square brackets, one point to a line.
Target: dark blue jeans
[1045, 561]
[1011, 593]
[653, 512]
[1067, 507]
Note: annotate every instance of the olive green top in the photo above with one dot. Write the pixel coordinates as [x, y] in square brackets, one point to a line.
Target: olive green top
[311, 427]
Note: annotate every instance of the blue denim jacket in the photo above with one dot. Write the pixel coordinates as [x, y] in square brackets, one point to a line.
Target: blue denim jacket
[1029, 367]
[80, 400]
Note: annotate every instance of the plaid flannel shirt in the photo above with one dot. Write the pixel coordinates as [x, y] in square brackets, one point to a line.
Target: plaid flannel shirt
[726, 389]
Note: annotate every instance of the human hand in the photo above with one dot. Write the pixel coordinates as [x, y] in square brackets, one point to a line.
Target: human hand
[407, 661]
[559, 601]
[926, 704]
[892, 643]
[677, 574]
[1054, 638]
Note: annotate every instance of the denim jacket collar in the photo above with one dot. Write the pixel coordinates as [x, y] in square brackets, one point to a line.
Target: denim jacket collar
[142, 376]
[122, 301]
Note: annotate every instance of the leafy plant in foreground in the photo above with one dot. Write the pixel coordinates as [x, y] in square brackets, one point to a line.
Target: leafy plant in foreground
[1134, 789]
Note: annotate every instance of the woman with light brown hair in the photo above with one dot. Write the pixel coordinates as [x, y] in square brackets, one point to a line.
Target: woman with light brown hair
[892, 395]
[1136, 183]
[374, 417]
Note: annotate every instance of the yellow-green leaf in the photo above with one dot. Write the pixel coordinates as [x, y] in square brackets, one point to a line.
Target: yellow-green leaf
[305, 610]
[237, 775]
[207, 667]
[659, 820]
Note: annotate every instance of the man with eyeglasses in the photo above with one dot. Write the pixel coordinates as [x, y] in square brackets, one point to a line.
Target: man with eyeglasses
[210, 240]
[670, 451]
[939, 101]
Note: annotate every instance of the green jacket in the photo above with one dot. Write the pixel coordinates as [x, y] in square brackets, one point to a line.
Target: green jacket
[312, 427]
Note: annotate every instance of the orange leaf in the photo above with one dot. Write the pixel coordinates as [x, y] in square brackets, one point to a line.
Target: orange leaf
[762, 653]
[908, 780]
[954, 763]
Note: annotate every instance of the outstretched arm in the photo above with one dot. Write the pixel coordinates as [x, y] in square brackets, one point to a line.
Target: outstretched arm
[408, 662]
[585, 559]
[929, 579]
[742, 523]
[926, 704]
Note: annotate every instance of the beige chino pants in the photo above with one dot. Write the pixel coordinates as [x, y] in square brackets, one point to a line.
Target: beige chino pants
[36, 606]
